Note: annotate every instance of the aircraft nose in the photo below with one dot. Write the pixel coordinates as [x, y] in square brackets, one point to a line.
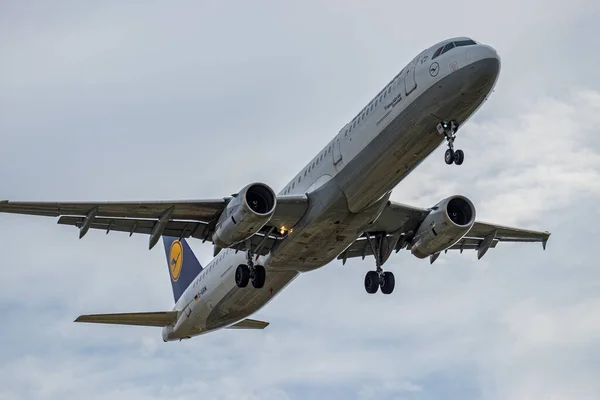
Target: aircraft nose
[482, 52]
[484, 61]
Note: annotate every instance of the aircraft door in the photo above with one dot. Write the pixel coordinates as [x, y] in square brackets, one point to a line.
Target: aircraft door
[337, 151]
[410, 83]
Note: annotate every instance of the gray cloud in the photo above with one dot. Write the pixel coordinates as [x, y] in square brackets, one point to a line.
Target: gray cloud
[143, 101]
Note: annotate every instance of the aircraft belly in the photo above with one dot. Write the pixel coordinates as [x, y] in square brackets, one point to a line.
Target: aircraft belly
[239, 303]
[325, 231]
[412, 135]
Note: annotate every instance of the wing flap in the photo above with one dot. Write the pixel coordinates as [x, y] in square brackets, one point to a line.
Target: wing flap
[183, 229]
[161, 318]
[471, 244]
[249, 324]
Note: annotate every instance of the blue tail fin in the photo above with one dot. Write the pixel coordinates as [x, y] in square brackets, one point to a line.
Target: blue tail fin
[183, 264]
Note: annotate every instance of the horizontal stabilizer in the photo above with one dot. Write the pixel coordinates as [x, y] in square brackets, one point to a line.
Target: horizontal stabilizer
[249, 324]
[161, 318]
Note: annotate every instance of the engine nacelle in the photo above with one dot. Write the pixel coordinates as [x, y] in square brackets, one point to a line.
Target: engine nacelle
[446, 224]
[245, 215]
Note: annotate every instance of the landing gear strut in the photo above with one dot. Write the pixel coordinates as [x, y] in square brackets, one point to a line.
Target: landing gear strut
[378, 278]
[448, 129]
[250, 272]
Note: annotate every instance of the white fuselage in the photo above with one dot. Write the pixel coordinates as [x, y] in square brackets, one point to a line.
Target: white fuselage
[348, 182]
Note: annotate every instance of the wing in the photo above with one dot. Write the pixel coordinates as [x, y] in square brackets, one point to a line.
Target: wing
[184, 219]
[249, 324]
[161, 318]
[399, 221]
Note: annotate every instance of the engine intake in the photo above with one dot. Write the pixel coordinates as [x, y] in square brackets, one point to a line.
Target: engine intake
[449, 220]
[260, 198]
[460, 211]
[245, 215]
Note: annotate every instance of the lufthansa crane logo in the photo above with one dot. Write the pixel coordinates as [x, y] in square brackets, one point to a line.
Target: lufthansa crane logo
[175, 260]
[434, 69]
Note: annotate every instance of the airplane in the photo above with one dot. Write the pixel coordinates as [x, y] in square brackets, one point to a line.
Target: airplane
[337, 207]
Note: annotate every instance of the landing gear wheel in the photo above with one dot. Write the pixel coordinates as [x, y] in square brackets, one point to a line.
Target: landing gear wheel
[388, 283]
[459, 157]
[258, 280]
[448, 129]
[242, 275]
[450, 156]
[372, 282]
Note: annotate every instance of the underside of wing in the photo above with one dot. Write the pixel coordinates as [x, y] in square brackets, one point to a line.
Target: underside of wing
[162, 318]
[200, 210]
[183, 219]
[398, 224]
[506, 233]
[249, 324]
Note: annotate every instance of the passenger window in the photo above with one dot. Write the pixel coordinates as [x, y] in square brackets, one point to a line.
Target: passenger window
[313, 164]
[329, 151]
[367, 111]
[305, 173]
[299, 179]
[447, 47]
[293, 185]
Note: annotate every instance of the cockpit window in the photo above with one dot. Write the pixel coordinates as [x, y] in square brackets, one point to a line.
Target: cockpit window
[464, 43]
[447, 47]
[450, 46]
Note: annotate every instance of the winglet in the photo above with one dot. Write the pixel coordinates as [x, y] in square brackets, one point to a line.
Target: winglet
[545, 240]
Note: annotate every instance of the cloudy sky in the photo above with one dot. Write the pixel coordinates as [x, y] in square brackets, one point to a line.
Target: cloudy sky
[145, 101]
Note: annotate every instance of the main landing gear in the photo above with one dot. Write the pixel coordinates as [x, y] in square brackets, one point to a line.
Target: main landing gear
[378, 278]
[448, 129]
[250, 272]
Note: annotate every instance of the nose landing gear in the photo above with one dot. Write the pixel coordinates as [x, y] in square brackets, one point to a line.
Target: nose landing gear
[448, 129]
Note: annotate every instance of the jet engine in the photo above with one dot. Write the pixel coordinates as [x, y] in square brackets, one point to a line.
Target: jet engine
[245, 214]
[444, 226]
